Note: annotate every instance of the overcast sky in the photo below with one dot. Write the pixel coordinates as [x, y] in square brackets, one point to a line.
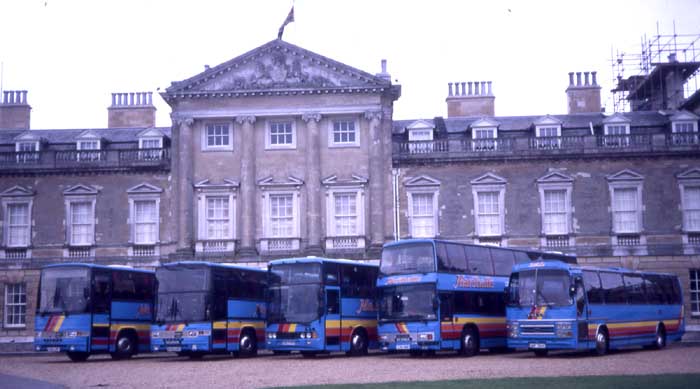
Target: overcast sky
[71, 55]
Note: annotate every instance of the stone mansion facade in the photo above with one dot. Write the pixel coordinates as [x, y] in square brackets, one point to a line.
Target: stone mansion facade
[283, 152]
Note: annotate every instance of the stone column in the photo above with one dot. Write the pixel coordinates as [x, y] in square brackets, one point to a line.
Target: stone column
[376, 180]
[184, 175]
[313, 184]
[247, 185]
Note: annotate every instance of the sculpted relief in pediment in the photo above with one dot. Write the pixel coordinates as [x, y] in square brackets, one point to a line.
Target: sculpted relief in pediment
[278, 71]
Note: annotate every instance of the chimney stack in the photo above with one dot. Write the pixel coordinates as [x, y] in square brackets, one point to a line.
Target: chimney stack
[470, 98]
[584, 95]
[14, 110]
[384, 74]
[131, 110]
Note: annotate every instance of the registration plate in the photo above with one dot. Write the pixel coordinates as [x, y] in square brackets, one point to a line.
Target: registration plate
[403, 346]
[537, 346]
[174, 349]
[53, 349]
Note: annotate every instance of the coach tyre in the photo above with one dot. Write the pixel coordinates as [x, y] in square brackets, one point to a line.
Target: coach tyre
[660, 339]
[602, 342]
[358, 343]
[469, 342]
[78, 356]
[248, 345]
[126, 345]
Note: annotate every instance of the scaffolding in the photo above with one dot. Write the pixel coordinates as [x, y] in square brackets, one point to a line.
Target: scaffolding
[640, 76]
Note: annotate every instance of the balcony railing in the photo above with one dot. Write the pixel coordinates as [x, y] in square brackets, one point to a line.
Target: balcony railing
[536, 147]
[85, 159]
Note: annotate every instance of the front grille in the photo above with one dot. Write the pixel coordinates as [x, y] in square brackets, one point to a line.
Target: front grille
[537, 329]
[288, 335]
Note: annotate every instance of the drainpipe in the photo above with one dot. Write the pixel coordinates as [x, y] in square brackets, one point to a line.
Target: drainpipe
[395, 173]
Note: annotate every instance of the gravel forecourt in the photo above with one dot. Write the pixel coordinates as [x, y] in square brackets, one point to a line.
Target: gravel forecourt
[168, 370]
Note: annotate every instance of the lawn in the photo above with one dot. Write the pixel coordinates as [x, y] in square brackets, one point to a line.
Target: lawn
[683, 381]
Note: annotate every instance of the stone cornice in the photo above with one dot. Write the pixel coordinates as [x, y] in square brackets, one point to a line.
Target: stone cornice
[308, 117]
[250, 119]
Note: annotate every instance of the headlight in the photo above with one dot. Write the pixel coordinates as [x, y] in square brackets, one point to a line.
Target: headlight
[423, 336]
[271, 335]
[563, 329]
[191, 334]
[75, 334]
[383, 338]
[37, 334]
[155, 334]
[513, 329]
[204, 333]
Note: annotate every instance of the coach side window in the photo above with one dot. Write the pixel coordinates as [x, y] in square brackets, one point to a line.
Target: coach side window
[478, 260]
[634, 289]
[613, 287]
[594, 292]
[502, 261]
[100, 297]
[653, 290]
[456, 260]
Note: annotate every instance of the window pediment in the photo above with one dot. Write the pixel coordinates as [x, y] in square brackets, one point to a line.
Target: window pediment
[88, 135]
[226, 184]
[151, 133]
[144, 188]
[421, 181]
[617, 118]
[625, 175]
[485, 123]
[354, 180]
[684, 116]
[555, 178]
[420, 125]
[489, 179]
[271, 183]
[17, 191]
[692, 174]
[546, 121]
[79, 190]
[28, 136]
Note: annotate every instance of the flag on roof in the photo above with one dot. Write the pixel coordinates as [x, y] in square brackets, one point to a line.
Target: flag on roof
[289, 19]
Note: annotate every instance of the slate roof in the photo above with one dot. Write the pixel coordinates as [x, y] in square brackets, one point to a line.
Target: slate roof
[114, 135]
[521, 123]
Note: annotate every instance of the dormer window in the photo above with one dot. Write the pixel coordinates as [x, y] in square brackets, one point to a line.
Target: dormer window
[547, 133]
[27, 152]
[151, 143]
[88, 150]
[420, 137]
[684, 128]
[616, 131]
[484, 134]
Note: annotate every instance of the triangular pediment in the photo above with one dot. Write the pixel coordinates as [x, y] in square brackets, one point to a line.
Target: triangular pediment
[684, 116]
[617, 117]
[420, 125]
[270, 182]
[151, 133]
[80, 190]
[625, 175]
[353, 180]
[277, 66]
[28, 136]
[692, 174]
[489, 179]
[421, 180]
[547, 120]
[88, 135]
[144, 189]
[554, 178]
[484, 123]
[17, 191]
[225, 184]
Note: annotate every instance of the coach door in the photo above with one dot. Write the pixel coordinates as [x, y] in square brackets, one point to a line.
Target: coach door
[333, 319]
[101, 308]
[581, 309]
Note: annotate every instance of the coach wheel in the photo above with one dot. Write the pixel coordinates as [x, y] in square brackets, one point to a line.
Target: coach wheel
[78, 356]
[602, 342]
[126, 346]
[541, 353]
[660, 339]
[470, 342]
[358, 343]
[248, 345]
